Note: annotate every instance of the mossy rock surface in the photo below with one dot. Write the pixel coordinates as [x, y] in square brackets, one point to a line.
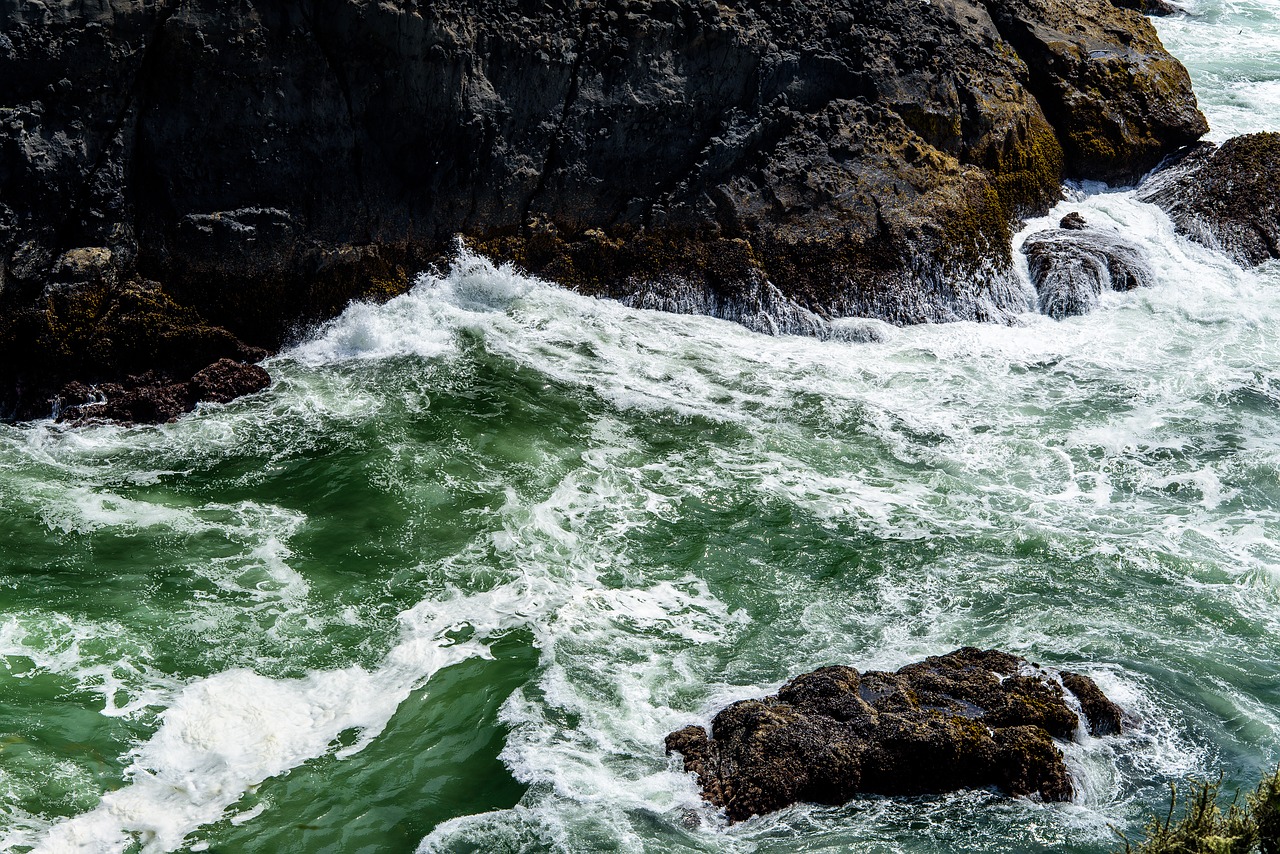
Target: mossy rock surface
[102, 332]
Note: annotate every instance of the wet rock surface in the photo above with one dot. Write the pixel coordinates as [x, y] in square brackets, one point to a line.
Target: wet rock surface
[154, 398]
[266, 162]
[1154, 8]
[1073, 265]
[972, 718]
[1225, 197]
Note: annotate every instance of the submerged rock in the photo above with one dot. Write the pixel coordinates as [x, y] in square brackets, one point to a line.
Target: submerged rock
[968, 719]
[1225, 197]
[268, 161]
[1071, 266]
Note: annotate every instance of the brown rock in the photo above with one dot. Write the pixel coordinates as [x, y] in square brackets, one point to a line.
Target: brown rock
[972, 718]
[154, 398]
[1104, 716]
[226, 379]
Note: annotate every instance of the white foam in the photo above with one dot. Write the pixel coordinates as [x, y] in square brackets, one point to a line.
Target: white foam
[101, 657]
[932, 434]
[422, 322]
[224, 735]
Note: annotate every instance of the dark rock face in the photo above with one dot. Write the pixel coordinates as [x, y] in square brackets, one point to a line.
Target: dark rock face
[1071, 266]
[154, 398]
[1073, 222]
[1155, 8]
[1225, 197]
[1104, 716]
[269, 161]
[972, 718]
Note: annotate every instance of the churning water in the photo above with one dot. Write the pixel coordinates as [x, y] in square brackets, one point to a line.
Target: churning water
[447, 585]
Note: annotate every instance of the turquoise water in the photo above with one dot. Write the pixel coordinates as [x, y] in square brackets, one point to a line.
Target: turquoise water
[447, 585]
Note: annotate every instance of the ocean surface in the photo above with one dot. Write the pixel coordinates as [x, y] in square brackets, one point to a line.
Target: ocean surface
[448, 584]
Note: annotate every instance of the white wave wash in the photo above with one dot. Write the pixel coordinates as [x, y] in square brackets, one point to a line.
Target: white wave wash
[945, 403]
[224, 735]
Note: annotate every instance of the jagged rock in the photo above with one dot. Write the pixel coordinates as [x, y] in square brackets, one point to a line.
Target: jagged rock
[267, 161]
[1073, 221]
[154, 398]
[226, 379]
[1073, 62]
[1104, 716]
[98, 330]
[1155, 8]
[148, 398]
[968, 719]
[1225, 197]
[1070, 267]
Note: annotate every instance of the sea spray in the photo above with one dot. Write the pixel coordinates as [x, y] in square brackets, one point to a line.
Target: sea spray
[206, 626]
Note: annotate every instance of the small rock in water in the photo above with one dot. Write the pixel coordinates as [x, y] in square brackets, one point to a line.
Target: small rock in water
[1073, 221]
[969, 719]
[1070, 267]
[1102, 714]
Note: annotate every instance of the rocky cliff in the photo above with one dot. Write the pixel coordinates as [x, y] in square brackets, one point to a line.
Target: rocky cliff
[219, 171]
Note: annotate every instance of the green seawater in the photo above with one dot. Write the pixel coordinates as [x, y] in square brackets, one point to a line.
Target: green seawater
[448, 584]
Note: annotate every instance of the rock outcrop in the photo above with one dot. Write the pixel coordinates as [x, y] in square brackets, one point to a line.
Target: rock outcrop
[1225, 197]
[968, 719]
[154, 398]
[1155, 8]
[1071, 266]
[267, 162]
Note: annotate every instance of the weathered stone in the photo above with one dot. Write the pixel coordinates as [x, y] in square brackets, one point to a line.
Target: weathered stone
[1106, 88]
[972, 718]
[1071, 267]
[1225, 197]
[1104, 716]
[1154, 8]
[270, 161]
[154, 398]
[1073, 221]
[227, 379]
